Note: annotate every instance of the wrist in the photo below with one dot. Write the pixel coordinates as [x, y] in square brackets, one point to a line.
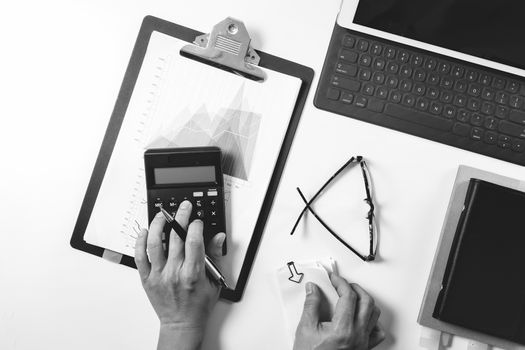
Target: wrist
[180, 336]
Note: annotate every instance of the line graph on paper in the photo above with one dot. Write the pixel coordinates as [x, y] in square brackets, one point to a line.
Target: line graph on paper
[233, 129]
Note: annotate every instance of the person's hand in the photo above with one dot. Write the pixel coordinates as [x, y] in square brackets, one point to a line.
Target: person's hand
[353, 325]
[177, 286]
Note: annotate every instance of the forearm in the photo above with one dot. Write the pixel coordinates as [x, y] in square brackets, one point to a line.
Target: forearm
[172, 337]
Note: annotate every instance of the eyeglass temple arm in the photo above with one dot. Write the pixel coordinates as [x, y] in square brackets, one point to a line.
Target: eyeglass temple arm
[350, 161]
[308, 207]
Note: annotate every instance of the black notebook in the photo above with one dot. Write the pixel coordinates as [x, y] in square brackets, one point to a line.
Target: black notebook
[483, 288]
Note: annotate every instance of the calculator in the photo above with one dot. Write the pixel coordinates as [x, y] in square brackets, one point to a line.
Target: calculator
[174, 175]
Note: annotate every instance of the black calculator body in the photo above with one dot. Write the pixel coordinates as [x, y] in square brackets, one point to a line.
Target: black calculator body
[174, 175]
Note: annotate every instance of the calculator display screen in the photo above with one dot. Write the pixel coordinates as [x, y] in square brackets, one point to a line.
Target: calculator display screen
[487, 29]
[182, 175]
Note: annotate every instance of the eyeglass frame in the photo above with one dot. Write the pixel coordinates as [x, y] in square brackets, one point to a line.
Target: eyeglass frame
[372, 229]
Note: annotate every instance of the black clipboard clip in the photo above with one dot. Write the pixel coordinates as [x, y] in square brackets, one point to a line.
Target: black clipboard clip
[227, 47]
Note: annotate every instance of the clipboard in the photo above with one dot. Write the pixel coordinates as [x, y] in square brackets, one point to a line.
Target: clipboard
[149, 25]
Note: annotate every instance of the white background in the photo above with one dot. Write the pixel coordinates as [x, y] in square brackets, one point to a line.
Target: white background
[61, 66]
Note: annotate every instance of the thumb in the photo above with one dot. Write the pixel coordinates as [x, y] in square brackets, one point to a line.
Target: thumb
[312, 304]
[215, 247]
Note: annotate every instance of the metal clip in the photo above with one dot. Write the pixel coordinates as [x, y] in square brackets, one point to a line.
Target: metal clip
[227, 47]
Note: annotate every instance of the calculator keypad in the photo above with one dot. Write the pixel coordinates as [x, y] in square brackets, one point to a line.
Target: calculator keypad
[207, 205]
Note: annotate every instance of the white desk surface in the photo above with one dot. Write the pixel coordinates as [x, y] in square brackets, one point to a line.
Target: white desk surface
[61, 67]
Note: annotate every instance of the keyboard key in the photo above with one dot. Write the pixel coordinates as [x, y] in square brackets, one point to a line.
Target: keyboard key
[346, 69]
[461, 129]
[490, 138]
[403, 56]
[382, 92]
[443, 68]
[485, 79]
[376, 105]
[499, 83]
[417, 60]
[513, 87]
[474, 90]
[419, 75]
[365, 60]
[390, 52]
[378, 78]
[362, 45]
[348, 41]
[392, 67]
[332, 94]
[422, 104]
[518, 145]
[476, 134]
[460, 100]
[406, 71]
[487, 108]
[488, 94]
[446, 83]
[409, 100]
[502, 112]
[502, 97]
[446, 97]
[365, 74]
[436, 108]
[349, 56]
[449, 112]
[368, 89]
[463, 116]
[418, 117]
[395, 96]
[517, 117]
[433, 79]
[347, 97]
[504, 142]
[405, 85]
[419, 89]
[433, 93]
[379, 63]
[376, 49]
[512, 129]
[472, 75]
[460, 86]
[345, 83]
[361, 101]
[392, 82]
[516, 101]
[491, 123]
[430, 63]
[474, 104]
[457, 72]
[476, 119]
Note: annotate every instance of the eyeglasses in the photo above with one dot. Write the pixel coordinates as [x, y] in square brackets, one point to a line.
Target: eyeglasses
[370, 217]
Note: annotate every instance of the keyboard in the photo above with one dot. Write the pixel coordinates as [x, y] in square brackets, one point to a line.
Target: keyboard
[425, 94]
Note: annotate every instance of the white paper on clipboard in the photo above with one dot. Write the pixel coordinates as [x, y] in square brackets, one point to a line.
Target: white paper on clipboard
[178, 102]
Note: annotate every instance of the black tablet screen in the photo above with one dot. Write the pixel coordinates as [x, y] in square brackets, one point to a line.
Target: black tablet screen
[489, 29]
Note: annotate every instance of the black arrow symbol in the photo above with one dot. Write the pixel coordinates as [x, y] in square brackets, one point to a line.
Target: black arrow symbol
[296, 276]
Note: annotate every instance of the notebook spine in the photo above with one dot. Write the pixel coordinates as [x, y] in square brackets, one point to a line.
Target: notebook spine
[455, 248]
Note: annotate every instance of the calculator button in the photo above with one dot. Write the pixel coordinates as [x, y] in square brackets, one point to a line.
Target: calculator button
[213, 213]
[212, 194]
[198, 203]
[213, 202]
[198, 194]
[199, 214]
[158, 203]
[172, 203]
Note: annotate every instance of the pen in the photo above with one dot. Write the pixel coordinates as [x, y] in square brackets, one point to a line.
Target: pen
[212, 269]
